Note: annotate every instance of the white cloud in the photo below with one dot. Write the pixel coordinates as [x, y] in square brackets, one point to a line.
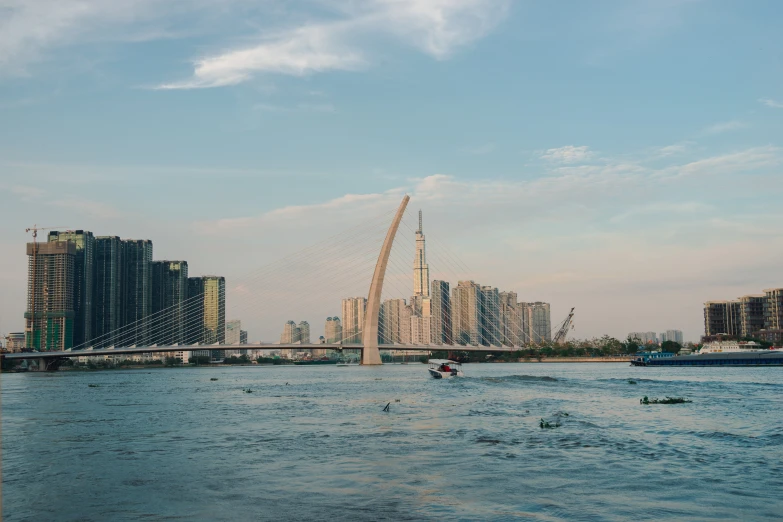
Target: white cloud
[305, 50]
[568, 154]
[725, 126]
[743, 161]
[672, 150]
[30, 28]
[436, 27]
[771, 103]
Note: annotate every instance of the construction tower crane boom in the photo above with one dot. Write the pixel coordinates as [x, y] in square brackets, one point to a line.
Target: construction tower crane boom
[562, 329]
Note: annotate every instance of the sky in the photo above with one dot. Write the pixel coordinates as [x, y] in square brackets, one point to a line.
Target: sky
[620, 157]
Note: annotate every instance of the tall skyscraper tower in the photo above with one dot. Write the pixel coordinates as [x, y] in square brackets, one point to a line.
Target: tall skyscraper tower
[511, 328]
[353, 319]
[466, 313]
[441, 313]
[421, 271]
[170, 291]
[107, 300]
[395, 324]
[84, 275]
[333, 330]
[136, 290]
[214, 309]
[490, 317]
[50, 295]
[304, 332]
[194, 324]
[539, 322]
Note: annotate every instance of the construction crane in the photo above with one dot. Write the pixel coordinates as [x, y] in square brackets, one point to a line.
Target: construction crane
[562, 329]
[29, 327]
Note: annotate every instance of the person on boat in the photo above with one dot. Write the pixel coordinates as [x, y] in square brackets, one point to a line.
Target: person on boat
[446, 368]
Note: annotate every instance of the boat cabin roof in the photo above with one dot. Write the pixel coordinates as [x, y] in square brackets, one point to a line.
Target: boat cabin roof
[442, 361]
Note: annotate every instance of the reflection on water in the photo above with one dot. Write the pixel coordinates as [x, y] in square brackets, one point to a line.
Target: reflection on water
[172, 444]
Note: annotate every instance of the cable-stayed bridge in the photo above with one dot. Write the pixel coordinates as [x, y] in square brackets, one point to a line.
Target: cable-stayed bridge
[338, 264]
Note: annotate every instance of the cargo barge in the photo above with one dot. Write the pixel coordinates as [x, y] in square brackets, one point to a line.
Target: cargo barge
[720, 353]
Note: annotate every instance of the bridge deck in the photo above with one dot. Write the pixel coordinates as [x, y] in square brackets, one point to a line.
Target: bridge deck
[263, 346]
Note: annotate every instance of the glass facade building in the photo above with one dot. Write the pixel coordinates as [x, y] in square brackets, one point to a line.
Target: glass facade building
[107, 301]
[440, 303]
[136, 290]
[166, 326]
[83, 282]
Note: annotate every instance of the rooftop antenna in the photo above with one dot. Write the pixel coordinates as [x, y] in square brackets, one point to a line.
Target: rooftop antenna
[419, 220]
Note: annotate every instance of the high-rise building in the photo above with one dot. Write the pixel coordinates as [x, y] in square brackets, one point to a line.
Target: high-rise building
[671, 335]
[440, 302]
[243, 337]
[214, 309]
[84, 277]
[466, 313]
[107, 300]
[421, 329]
[645, 337]
[15, 342]
[723, 317]
[490, 316]
[751, 315]
[333, 330]
[234, 332]
[290, 333]
[511, 320]
[773, 309]
[395, 319]
[304, 332]
[353, 319]
[194, 314]
[49, 319]
[169, 295]
[539, 322]
[421, 271]
[136, 291]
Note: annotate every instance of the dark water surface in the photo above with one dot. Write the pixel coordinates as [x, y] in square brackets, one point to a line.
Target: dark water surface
[173, 445]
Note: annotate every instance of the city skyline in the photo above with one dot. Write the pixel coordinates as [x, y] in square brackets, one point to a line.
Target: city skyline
[576, 155]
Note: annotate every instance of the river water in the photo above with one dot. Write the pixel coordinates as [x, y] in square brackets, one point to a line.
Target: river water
[311, 443]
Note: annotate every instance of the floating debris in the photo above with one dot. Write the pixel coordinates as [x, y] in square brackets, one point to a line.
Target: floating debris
[92, 385]
[396, 400]
[386, 409]
[247, 390]
[667, 400]
[548, 425]
[213, 379]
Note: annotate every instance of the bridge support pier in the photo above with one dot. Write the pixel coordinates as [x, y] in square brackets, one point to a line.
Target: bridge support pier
[44, 364]
[370, 353]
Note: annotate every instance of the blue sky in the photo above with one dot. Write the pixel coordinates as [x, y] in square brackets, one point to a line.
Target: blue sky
[621, 157]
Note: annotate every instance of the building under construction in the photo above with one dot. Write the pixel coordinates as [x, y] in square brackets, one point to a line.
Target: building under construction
[49, 319]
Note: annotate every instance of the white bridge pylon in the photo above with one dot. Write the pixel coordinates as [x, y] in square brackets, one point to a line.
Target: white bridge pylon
[371, 354]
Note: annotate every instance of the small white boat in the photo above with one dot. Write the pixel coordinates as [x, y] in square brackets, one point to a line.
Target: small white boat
[444, 368]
